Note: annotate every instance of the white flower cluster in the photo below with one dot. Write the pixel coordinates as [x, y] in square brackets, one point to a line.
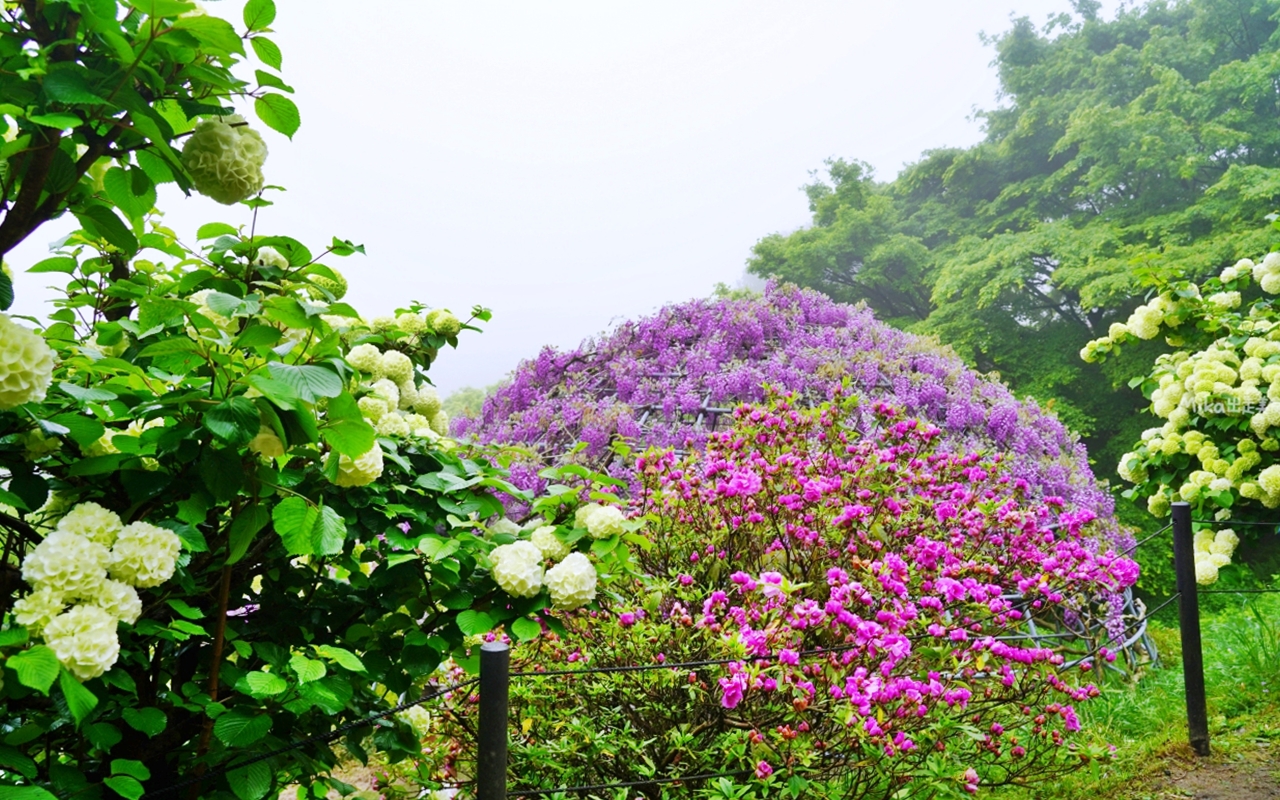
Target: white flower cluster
[26, 365]
[224, 157]
[418, 718]
[544, 538]
[1266, 273]
[201, 299]
[1144, 323]
[572, 582]
[70, 567]
[1213, 552]
[394, 403]
[336, 286]
[268, 256]
[360, 471]
[600, 521]
[267, 444]
[517, 568]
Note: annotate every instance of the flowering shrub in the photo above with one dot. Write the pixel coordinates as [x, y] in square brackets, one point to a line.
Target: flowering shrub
[660, 380]
[224, 157]
[868, 591]
[1217, 393]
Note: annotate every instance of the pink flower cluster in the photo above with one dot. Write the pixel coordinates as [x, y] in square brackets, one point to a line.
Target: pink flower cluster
[873, 586]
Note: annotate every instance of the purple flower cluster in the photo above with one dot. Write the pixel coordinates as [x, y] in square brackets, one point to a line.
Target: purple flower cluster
[661, 380]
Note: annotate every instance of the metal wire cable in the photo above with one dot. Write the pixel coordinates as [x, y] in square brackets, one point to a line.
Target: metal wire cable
[1160, 532]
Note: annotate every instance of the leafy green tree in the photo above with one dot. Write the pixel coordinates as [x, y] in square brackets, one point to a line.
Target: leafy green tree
[231, 518]
[1127, 147]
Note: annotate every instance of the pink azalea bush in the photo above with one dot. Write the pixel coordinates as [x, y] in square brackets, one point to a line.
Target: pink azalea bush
[669, 379]
[862, 589]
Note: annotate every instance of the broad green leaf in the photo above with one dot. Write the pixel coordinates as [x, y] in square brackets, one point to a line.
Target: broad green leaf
[267, 79]
[309, 381]
[474, 623]
[213, 32]
[14, 759]
[80, 701]
[161, 8]
[308, 530]
[87, 395]
[259, 336]
[83, 430]
[65, 264]
[251, 782]
[103, 735]
[345, 428]
[132, 197]
[238, 728]
[222, 472]
[307, 669]
[25, 793]
[103, 222]
[6, 291]
[330, 694]
[259, 14]
[148, 720]
[234, 421]
[268, 52]
[184, 608]
[69, 85]
[212, 230]
[37, 668]
[124, 786]
[167, 347]
[343, 658]
[60, 121]
[278, 112]
[154, 312]
[244, 528]
[15, 635]
[127, 766]
[525, 629]
[265, 684]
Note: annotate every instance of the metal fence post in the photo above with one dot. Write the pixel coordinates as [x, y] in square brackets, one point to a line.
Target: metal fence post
[495, 679]
[1184, 566]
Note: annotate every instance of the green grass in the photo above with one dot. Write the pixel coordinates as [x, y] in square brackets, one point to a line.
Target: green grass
[1145, 719]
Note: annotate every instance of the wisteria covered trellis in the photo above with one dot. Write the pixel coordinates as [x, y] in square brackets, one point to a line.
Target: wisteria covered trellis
[672, 378]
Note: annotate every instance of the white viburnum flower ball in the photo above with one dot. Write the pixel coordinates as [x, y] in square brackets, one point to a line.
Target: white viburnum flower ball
[267, 444]
[268, 256]
[84, 639]
[396, 366]
[545, 539]
[372, 408]
[418, 718]
[604, 522]
[1202, 541]
[412, 324]
[224, 158]
[408, 395]
[36, 445]
[428, 401]
[144, 555]
[67, 563]
[421, 427]
[336, 286]
[440, 422]
[382, 323]
[444, 322]
[584, 511]
[572, 582]
[93, 522]
[38, 608]
[1206, 571]
[504, 525]
[1223, 300]
[118, 599]
[387, 392]
[1225, 542]
[365, 357]
[392, 425]
[517, 568]
[1219, 560]
[360, 471]
[1270, 283]
[26, 365]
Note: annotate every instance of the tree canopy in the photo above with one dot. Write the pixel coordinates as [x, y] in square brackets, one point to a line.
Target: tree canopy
[1124, 150]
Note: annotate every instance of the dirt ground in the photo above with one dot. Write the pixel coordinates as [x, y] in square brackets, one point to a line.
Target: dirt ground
[1248, 773]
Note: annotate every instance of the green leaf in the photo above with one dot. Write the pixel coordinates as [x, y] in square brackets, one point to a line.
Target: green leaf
[234, 421]
[251, 782]
[14, 759]
[15, 635]
[68, 85]
[168, 347]
[104, 736]
[124, 786]
[184, 608]
[222, 473]
[330, 694]
[80, 701]
[343, 658]
[150, 721]
[89, 395]
[101, 221]
[278, 112]
[474, 623]
[307, 669]
[60, 121]
[310, 382]
[212, 230]
[525, 629]
[238, 728]
[267, 79]
[268, 52]
[259, 336]
[25, 793]
[127, 766]
[265, 684]
[6, 291]
[37, 668]
[155, 312]
[161, 8]
[132, 196]
[259, 14]
[308, 530]
[65, 264]
[345, 429]
[83, 430]
[244, 528]
[213, 32]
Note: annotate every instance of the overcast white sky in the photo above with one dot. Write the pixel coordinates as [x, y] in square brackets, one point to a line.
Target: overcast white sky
[569, 164]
